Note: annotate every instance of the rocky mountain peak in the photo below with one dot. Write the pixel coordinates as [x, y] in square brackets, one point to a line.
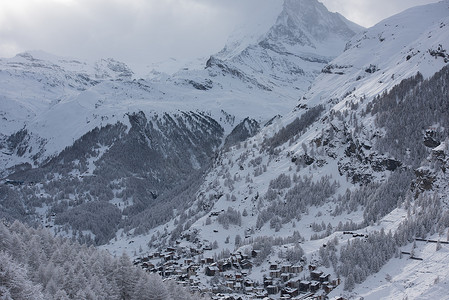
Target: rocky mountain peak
[294, 26]
[306, 22]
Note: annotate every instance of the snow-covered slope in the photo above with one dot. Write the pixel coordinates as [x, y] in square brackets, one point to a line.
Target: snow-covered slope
[379, 58]
[39, 98]
[293, 51]
[339, 159]
[32, 82]
[298, 25]
[54, 101]
[329, 180]
[76, 125]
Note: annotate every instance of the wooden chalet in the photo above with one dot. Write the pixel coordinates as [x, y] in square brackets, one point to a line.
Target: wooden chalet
[259, 289]
[211, 270]
[312, 267]
[148, 265]
[272, 289]
[315, 275]
[304, 286]
[225, 266]
[230, 284]
[328, 288]
[296, 269]
[293, 283]
[286, 268]
[169, 272]
[285, 277]
[169, 256]
[246, 264]
[237, 258]
[324, 277]
[314, 286]
[290, 292]
[275, 273]
[255, 253]
[336, 281]
[267, 281]
[248, 283]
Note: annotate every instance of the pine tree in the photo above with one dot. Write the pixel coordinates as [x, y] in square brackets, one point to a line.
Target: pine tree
[142, 290]
[61, 295]
[124, 276]
[237, 240]
[158, 290]
[350, 282]
[438, 247]
[15, 282]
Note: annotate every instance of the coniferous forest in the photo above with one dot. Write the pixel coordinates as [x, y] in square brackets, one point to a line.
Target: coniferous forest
[34, 265]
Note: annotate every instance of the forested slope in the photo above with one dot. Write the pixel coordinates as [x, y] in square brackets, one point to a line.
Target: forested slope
[34, 265]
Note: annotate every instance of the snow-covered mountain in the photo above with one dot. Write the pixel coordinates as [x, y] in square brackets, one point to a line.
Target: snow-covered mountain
[292, 52]
[34, 81]
[241, 168]
[51, 104]
[63, 99]
[394, 49]
[351, 182]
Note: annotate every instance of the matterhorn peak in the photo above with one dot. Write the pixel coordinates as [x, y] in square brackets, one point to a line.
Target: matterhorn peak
[304, 25]
[308, 22]
[290, 45]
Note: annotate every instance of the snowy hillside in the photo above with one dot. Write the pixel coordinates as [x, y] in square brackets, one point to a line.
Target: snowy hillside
[381, 57]
[62, 99]
[81, 132]
[32, 81]
[348, 182]
[290, 54]
[307, 159]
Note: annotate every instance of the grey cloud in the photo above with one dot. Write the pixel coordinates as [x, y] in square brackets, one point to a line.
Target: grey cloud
[369, 12]
[145, 31]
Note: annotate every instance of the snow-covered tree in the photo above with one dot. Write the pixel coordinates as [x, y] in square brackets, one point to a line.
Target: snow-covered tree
[15, 283]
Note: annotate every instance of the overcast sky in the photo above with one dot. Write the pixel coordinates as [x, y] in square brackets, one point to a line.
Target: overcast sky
[146, 31]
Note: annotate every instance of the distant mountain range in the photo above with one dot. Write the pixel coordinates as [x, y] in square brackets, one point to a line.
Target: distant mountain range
[305, 131]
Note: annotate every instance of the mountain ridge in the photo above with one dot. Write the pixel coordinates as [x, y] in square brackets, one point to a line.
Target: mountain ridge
[355, 167]
[356, 164]
[102, 92]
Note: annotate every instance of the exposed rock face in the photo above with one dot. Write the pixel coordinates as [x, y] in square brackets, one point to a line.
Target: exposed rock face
[246, 129]
[425, 179]
[303, 40]
[306, 22]
[430, 139]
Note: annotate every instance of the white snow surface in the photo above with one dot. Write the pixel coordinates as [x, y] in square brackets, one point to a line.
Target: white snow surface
[384, 47]
[60, 112]
[57, 100]
[410, 279]
[387, 46]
